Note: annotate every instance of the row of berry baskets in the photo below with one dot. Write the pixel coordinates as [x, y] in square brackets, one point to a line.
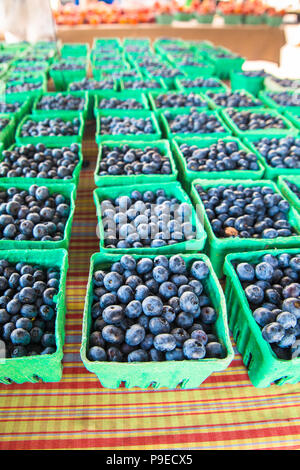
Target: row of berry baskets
[153, 127]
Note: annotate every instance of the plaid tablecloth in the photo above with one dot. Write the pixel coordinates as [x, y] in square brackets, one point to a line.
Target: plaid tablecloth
[226, 412]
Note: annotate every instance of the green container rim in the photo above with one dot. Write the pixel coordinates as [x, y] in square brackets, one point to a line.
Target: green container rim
[220, 247]
[189, 176]
[153, 95]
[44, 181]
[190, 374]
[173, 189]
[264, 367]
[293, 117]
[48, 140]
[66, 189]
[125, 180]
[141, 113]
[270, 85]
[59, 112]
[48, 366]
[287, 191]
[215, 106]
[137, 95]
[271, 103]
[270, 172]
[174, 112]
[236, 130]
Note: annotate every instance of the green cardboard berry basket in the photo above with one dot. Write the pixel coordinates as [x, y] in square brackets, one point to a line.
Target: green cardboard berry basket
[224, 65]
[270, 172]
[287, 192]
[189, 176]
[66, 189]
[113, 43]
[46, 367]
[289, 128]
[161, 85]
[92, 96]
[45, 181]
[119, 180]
[65, 112]
[25, 106]
[182, 87]
[152, 98]
[172, 189]
[239, 81]
[99, 67]
[141, 113]
[271, 85]
[170, 135]
[184, 374]
[217, 248]
[62, 78]
[164, 19]
[264, 367]
[214, 105]
[294, 118]
[32, 94]
[271, 103]
[204, 19]
[76, 50]
[48, 140]
[233, 19]
[7, 133]
[121, 95]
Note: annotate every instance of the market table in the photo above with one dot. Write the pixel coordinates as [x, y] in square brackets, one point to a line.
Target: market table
[226, 412]
[255, 42]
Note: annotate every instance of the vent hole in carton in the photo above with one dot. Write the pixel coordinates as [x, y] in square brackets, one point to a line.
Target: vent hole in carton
[8, 380]
[282, 380]
[236, 334]
[248, 361]
[36, 378]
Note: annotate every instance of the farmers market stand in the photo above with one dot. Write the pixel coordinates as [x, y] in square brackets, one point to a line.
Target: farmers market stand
[254, 42]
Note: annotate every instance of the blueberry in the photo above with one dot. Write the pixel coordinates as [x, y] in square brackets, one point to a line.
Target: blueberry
[113, 314]
[19, 336]
[189, 302]
[199, 270]
[133, 309]
[164, 342]
[254, 294]
[113, 334]
[214, 349]
[273, 332]
[96, 353]
[139, 355]
[152, 306]
[245, 272]
[193, 349]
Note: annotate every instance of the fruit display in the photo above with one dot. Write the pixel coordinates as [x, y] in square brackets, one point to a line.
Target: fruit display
[153, 310]
[183, 168]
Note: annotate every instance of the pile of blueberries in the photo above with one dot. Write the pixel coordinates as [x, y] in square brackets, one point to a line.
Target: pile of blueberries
[146, 219]
[253, 73]
[38, 161]
[50, 127]
[6, 107]
[246, 211]
[179, 100]
[190, 61]
[33, 215]
[272, 288]
[199, 82]
[165, 72]
[149, 61]
[235, 99]
[23, 87]
[126, 125]
[29, 68]
[60, 101]
[90, 84]
[280, 152]
[126, 160]
[287, 82]
[27, 308]
[194, 122]
[294, 187]
[219, 156]
[251, 120]
[141, 84]
[117, 103]
[153, 310]
[67, 65]
[3, 123]
[285, 99]
[121, 74]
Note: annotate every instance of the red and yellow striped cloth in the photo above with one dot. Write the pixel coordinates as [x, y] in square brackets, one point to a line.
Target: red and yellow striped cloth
[226, 412]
